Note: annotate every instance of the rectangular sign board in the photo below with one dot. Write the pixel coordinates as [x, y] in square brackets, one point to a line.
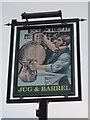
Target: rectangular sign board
[45, 63]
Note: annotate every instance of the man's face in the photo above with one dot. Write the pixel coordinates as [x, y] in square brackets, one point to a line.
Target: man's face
[37, 38]
[59, 42]
[67, 40]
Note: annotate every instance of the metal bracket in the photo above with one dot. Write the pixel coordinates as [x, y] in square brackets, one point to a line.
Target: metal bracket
[41, 15]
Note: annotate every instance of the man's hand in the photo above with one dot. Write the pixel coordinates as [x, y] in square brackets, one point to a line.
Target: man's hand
[44, 38]
[34, 66]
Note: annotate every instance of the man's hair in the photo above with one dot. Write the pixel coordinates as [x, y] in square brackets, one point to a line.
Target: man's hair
[66, 39]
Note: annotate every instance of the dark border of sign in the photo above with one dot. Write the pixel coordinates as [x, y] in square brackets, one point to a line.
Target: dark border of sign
[66, 98]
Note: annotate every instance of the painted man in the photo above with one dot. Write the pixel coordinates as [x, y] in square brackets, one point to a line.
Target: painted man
[56, 69]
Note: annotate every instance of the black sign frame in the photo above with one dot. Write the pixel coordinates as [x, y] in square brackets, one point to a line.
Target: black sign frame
[27, 23]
